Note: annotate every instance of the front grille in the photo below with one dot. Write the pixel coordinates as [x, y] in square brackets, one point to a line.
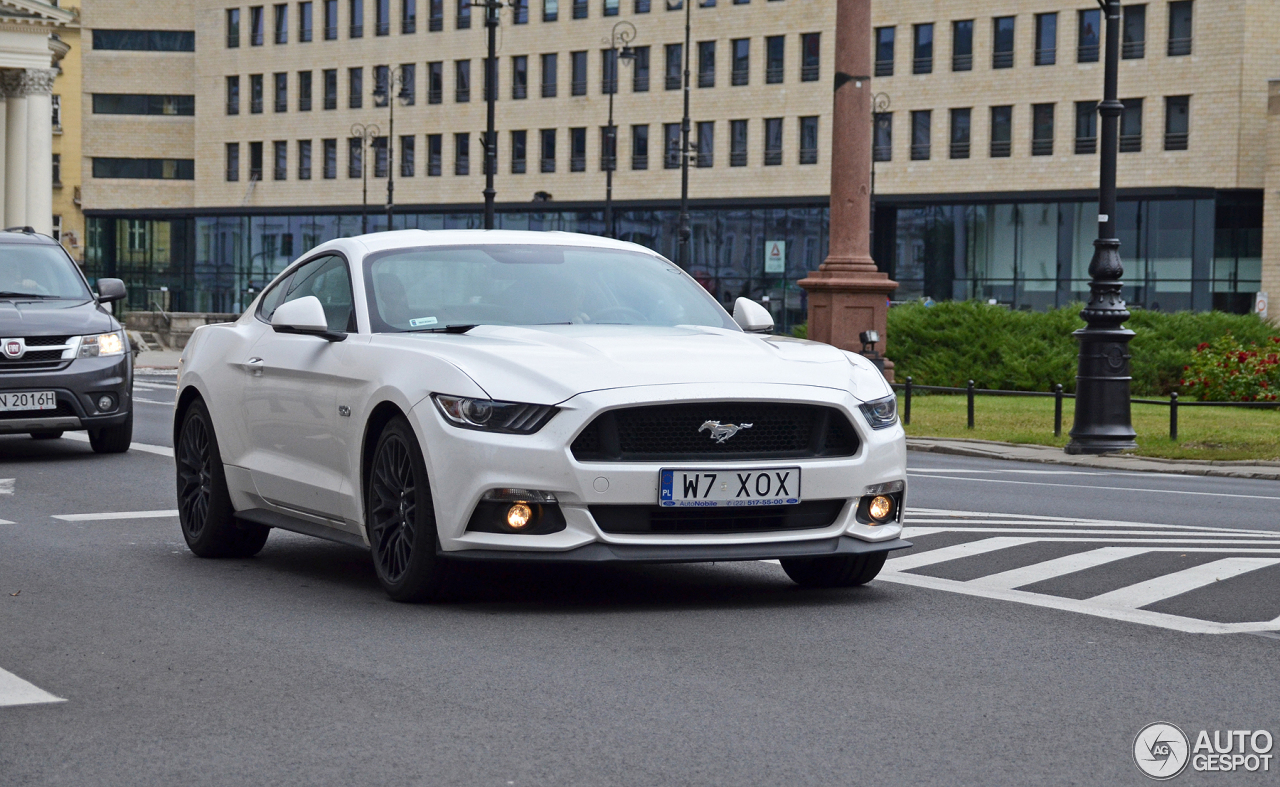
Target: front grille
[809, 515]
[675, 432]
[61, 411]
[34, 362]
[47, 341]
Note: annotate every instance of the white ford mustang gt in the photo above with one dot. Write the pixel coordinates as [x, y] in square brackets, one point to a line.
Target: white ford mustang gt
[438, 397]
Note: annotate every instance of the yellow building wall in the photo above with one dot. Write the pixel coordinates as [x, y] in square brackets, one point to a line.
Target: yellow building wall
[66, 145]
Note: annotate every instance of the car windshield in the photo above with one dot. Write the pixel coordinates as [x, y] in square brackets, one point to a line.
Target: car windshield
[434, 288]
[29, 270]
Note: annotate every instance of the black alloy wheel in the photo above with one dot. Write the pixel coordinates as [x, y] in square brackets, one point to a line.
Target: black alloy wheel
[204, 504]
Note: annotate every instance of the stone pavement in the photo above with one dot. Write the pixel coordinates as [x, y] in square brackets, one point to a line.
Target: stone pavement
[990, 449]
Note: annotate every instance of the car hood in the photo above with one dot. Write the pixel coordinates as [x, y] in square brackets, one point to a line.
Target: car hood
[548, 365]
[52, 318]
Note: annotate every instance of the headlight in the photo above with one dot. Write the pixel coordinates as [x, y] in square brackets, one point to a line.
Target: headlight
[490, 416]
[102, 344]
[881, 413]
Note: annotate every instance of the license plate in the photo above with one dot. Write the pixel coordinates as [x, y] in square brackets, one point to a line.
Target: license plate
[39, 400]
[773, 486]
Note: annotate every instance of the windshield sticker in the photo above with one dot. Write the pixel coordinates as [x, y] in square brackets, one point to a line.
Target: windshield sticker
[418, 322]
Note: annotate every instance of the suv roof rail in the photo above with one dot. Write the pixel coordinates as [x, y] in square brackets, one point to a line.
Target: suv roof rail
[23, 230]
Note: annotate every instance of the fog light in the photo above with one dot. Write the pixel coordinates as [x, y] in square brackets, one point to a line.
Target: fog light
[519, 515]
[881, 508]
[106, 403]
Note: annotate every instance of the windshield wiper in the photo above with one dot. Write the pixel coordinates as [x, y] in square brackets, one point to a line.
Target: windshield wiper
[457, 328]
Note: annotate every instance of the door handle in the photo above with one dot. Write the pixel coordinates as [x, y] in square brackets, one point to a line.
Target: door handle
[255, 366]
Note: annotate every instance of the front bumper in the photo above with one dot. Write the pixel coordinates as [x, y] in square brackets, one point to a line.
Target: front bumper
[77, 387]
[675, 553]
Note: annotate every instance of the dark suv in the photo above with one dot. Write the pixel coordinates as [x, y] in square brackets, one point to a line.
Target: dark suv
[65, 363]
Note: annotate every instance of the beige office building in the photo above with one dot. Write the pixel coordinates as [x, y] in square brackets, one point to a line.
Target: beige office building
[222, 140]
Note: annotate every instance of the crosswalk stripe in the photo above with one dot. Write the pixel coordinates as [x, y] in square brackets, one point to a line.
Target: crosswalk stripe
[1049, 569]
[943, 554]
[16, 691]
[1175, 584]
[115, 515]
[1173, 535]
[6, 486]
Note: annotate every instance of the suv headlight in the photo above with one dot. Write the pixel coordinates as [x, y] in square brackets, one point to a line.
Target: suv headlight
[881, 413]
[490, 416]
[101, 344]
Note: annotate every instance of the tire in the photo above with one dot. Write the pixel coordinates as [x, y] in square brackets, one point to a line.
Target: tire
[52, 434]
[113, 439]
[400, 518]
[204, 505]
[834, 572]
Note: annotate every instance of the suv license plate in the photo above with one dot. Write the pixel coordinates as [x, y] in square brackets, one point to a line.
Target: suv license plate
[773, 486]
[40, 400]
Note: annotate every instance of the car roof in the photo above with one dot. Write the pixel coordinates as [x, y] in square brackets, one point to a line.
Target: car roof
[402, 239]
[17, 236]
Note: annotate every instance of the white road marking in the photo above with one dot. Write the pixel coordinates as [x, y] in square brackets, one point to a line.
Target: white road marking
[1049, 569]
[159, 450]
[6, 486]
[1179, 582]
[16, 691]
[114, 515]
[1106, 488]
[153, 401]
[1111, 534]
[943, 554]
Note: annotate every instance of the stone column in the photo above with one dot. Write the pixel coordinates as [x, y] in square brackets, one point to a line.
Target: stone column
[4, 105]
[15, 150]
[39, 89]
[847, 294]
[1271, 206]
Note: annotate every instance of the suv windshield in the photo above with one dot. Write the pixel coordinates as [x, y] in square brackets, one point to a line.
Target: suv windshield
[40, 271]
[436, 287]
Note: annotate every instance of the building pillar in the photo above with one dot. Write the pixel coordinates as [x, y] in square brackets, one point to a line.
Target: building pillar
[39, 196]
[1271, 205]
[847, 294]
[4, 105]
[15, 150]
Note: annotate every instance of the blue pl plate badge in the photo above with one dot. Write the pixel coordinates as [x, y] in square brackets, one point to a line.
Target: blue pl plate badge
[418, 322]
[666, 489]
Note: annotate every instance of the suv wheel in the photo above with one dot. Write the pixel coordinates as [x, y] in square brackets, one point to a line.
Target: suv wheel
[113, 439]
[204, 504]
[834, 572]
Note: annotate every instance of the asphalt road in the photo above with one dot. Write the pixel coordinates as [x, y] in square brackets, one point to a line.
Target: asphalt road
[293, 667]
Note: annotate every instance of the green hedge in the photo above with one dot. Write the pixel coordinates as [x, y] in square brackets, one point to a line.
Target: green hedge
[952, 342]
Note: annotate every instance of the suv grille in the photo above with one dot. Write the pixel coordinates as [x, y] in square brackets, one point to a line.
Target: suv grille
[36, 359]
[809, 515]
[671, 432]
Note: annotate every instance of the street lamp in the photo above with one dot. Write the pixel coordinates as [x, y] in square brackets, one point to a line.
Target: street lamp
[366, 134]
[686, 232]
[382, 92]
[879, 105]
[491, 9]
[1102, 422]
[623, 34]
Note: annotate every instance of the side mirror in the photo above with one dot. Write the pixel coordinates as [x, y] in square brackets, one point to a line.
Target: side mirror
[752, 317]
[110, 290]
[304, 316]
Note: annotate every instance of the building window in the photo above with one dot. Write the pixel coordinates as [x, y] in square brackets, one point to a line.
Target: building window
[578, 77]
[435, 155]
[355, 87]
[356, 27]
[519, 154]
[382, 17]
[282, 23]
[1177, 122]
[610, 7]
[435, 82]
[578, 150]
[608, 71]
[1089, 38]
[304, 159]
[671, 146]
[772, 142]
[809, 140]
[550, 13]
[355, 157]
[675, 67]
[1046, 39]
[233, 96]
[962, 45]
[145, 41]
[706, 145]
[810, 51]
[549, 76]
[706, 64]
[921, 134]
[884, 51]
[55, 106]
[922, 62]
[520, 12]
[1086, 127]
[304, 91]
[257, 25]
[408, 84]
[579, 9]
[330, 20]
[305, 21]
[1042, 129]
[233, 29]
[406, 155]
[640, 146]
[281, 92]
[1180, 28]
[882, 144]
[255, 161]
[641, 7]
[608, 148]
[1133, 43]
[1001, 132]
[57, 170]
[547, 156]
[146, 104]
[640, 70]
[741, 50]
[379, 157]
[233, 161]
[381, 85]
[462, 154]
[737, 143]
[520, 76]
[435, 15]
[960, 128]
[280, 170]
[255, 94]
[56, 229]
[461, 81]
[1002, 48]
[330, 158]
[775, 54]
[148, 168]
[1131, 126]
[330, 88]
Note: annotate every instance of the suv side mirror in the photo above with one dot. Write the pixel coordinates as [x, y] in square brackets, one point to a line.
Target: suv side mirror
[305, 316]
[752, 317]
[110, 290]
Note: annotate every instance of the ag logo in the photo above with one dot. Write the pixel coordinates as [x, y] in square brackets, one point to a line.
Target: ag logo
[1160, 750]
[14, 348]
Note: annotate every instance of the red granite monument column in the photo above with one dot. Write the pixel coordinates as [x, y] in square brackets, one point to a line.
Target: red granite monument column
[847, 295]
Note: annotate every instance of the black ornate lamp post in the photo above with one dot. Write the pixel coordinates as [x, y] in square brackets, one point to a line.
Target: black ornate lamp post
[1102, 423]
[394, 86]
[490, 142]
[366, 134]
[622, 36]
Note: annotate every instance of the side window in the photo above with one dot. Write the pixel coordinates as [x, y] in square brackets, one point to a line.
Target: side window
[328, 280]
[273, 298]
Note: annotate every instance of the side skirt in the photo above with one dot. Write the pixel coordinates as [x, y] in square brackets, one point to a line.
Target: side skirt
[284, 522]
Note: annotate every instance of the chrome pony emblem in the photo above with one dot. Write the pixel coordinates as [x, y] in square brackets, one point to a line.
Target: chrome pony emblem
[721, 432]
[14, 348]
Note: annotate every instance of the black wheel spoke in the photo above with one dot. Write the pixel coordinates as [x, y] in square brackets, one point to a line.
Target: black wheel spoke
[393, 510]
[194, 476]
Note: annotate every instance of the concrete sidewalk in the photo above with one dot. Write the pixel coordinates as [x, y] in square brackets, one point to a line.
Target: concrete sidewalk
[157, 359]
[990, 449]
